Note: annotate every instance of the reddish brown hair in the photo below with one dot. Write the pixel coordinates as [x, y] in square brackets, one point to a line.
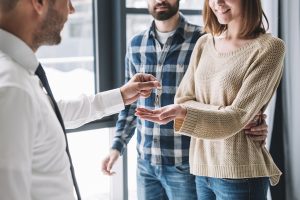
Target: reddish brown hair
[252, 18]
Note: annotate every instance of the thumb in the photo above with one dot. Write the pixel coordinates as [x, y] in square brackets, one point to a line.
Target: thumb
[112, 161]
[131, 99]
[110, 164]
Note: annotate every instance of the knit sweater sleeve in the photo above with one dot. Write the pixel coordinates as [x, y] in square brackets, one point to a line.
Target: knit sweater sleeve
[220, 122]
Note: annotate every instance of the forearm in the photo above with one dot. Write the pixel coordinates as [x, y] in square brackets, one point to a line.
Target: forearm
[208, 122]
[89, 108]
[125, 128]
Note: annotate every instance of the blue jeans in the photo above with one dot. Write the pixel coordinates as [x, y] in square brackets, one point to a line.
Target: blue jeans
[165, 182]
[232, 189]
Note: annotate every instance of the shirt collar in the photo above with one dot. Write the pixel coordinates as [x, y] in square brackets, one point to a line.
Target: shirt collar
[180, 30]
[18, 50]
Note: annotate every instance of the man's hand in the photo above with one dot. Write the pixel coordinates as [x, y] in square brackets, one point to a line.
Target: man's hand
[140, 85]
[257, 129]
[109, 161]
[162, 115]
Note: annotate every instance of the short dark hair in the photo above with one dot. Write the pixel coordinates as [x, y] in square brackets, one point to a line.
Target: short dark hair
[253, 15]
[7, 5]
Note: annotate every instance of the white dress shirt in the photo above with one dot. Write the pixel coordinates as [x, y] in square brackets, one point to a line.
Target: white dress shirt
[33, 161]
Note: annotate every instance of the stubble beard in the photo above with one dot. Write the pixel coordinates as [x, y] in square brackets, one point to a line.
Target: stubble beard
[49, 30]
[162, 16]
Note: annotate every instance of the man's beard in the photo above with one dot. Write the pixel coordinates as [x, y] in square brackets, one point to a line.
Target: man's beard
[49, 30]
[164, 15]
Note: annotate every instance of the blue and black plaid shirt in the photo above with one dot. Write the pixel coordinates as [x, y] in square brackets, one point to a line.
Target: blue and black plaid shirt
[157, 143]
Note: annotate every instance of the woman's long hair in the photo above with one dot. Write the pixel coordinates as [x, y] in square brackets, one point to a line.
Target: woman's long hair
[252, 18]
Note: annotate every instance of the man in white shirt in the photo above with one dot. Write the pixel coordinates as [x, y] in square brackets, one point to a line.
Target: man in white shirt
[33, 159]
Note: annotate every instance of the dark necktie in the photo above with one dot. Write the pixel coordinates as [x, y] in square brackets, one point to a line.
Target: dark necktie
[42, 75]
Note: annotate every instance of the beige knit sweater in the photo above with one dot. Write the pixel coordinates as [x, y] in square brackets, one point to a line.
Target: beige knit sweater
[222, 93]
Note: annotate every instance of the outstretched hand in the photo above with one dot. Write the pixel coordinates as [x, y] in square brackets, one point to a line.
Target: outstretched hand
[162, 115]
[140, 85]
[256, 129]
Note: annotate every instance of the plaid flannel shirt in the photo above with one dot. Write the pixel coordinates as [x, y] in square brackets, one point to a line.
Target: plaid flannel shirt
[157, 143]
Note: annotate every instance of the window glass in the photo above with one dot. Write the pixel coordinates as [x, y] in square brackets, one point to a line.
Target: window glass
[141, 22]
[136, 3]
[195, 19]
[88, 148]
[70, 65]
[191, 4]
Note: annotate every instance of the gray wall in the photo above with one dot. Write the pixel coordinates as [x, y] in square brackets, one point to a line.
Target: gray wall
[290, 31]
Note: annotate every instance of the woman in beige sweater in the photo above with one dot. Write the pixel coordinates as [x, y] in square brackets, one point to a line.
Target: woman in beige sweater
[233, 73]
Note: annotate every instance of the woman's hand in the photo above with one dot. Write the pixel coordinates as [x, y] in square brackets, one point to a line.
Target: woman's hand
[257, 128]
[162, 115]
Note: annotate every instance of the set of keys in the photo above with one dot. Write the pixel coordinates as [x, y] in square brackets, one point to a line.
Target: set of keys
[158, 91]
[158, 96]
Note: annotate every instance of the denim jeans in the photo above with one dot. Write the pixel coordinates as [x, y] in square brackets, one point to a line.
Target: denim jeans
[165, 182]
[232, 189]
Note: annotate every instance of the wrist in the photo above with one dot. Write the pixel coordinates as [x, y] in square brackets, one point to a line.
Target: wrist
[183, 112]
[115, 152]
[122, 90]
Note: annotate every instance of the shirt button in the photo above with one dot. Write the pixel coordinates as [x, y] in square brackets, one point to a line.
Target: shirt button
[155, 140]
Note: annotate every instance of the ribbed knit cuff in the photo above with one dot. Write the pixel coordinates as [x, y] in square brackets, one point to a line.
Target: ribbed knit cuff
[236, 171]
[189, 123]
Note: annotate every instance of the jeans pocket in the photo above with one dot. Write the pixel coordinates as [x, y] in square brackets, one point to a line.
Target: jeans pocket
[183, 169]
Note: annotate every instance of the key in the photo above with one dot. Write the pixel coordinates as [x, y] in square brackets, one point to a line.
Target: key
[158, 95]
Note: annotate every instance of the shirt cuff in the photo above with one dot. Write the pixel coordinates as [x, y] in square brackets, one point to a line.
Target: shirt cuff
[119, 146]
[187, 125]
[112, 99]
